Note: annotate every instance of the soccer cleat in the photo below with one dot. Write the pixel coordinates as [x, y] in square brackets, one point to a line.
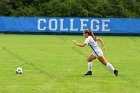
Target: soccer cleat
[88, 73]
[116, 72]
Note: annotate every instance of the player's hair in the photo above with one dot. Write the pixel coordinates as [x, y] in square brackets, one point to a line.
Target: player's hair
[90, 33]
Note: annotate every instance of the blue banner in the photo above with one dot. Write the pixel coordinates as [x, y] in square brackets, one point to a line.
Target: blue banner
[69, 24]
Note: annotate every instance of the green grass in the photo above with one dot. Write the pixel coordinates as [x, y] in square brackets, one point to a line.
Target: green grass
[52, 64]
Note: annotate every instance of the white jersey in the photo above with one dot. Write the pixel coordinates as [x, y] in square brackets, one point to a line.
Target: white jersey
[94, 46]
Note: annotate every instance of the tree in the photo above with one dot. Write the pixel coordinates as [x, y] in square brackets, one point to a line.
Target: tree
[5, 8]
[71, 8]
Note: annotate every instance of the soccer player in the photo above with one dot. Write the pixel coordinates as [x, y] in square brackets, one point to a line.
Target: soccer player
[91, 41]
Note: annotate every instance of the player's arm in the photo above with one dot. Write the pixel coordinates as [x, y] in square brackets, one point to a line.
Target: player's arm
[102, 43]
[79, 44]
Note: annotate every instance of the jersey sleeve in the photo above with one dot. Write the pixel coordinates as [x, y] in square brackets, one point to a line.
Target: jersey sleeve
[86, 41]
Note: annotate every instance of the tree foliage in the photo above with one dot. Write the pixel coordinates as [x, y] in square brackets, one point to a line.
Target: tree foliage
[71, 8]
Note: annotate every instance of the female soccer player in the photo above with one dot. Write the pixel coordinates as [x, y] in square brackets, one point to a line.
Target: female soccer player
[91, 41]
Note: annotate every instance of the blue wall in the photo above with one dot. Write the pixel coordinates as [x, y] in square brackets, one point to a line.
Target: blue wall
[69, 24]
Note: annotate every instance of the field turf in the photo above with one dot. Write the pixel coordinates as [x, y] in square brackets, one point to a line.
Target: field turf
[52, 64]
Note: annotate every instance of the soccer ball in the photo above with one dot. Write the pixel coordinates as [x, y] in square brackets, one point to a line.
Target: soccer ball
[19, 70]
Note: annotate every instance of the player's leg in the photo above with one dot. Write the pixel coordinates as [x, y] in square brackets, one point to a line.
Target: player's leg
[108, 65]
[89, 60]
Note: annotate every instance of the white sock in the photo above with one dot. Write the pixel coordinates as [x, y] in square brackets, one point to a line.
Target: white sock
[109, 66]
[89, 66]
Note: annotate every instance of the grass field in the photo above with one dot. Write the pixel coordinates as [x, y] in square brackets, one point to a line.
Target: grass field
[52, 64]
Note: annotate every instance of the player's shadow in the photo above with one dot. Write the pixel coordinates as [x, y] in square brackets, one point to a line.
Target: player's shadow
[91, 76]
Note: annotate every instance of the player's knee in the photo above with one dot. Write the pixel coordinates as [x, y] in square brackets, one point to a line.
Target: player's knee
[89, 60]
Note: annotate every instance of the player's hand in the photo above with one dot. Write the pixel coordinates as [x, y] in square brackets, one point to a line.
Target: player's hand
[74, 42]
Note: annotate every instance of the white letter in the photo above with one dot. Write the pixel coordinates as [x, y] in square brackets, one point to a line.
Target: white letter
[39, 27]
[72, 26]
[104, 25]
[92, 25]
[82, 24]
[55, 24]
[61, 25]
